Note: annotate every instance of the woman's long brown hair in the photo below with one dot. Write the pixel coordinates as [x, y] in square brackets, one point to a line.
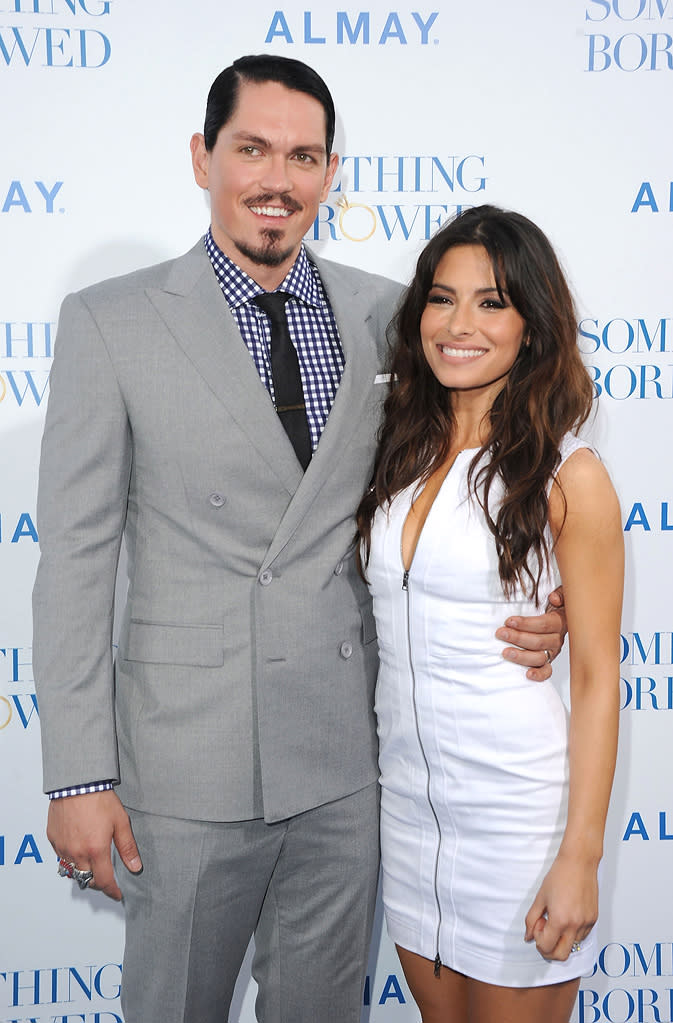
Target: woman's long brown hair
[548, 392]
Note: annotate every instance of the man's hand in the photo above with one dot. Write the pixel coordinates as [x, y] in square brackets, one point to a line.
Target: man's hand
[82, 829]
[538, 639]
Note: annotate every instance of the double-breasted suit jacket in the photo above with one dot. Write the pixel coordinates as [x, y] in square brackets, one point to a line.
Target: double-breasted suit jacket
[247, 652]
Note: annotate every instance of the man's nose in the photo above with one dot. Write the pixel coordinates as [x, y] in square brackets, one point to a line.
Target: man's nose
[276, 177]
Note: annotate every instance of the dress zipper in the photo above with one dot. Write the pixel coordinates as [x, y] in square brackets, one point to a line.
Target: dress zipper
[437, 960]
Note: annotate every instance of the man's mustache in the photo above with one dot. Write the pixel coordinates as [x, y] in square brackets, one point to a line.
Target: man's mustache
[269, 197]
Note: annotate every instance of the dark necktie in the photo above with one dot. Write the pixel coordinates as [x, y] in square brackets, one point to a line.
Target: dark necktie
[287, 387]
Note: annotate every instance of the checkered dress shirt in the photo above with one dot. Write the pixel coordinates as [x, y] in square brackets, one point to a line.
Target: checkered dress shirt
[311, 323]
[314, 333]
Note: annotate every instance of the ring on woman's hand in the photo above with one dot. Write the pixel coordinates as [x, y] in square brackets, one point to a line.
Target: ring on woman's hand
[575, 947]
[547, 655]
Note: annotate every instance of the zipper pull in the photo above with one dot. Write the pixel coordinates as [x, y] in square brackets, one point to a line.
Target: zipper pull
[438, 965]
[405, 580]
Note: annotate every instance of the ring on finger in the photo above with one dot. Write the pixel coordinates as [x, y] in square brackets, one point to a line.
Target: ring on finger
[67, 868]
[547, 655]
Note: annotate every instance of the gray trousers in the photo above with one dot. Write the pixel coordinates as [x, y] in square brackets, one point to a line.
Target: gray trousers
[305, 888]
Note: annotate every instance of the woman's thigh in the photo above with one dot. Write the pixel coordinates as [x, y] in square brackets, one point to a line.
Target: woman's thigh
[452, 997]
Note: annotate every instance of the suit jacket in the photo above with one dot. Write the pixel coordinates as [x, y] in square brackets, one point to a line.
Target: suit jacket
[247, 651]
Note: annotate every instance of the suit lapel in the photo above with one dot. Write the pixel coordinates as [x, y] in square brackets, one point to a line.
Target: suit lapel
[196, 313]
[352, 309]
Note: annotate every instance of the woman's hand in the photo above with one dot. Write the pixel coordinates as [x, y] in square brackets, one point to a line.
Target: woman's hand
[565, 908]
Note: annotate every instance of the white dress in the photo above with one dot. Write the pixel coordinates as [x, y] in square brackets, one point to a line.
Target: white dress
[473, 755]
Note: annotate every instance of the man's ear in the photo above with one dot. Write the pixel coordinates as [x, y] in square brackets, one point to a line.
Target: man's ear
[332, 165]
[200, 159]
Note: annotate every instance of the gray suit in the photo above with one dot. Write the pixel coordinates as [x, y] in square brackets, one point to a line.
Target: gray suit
[247, 654]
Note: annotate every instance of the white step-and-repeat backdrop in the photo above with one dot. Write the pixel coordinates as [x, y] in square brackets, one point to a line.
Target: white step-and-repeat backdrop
[559, 110]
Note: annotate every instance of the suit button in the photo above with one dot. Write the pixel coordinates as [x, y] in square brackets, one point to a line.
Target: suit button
[217, 500]
[346, 650]
[339, 569]
[265, 577]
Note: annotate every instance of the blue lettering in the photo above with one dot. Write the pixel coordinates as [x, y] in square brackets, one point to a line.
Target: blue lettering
[645, 197]
[604, 5]
[642, 1004]
[308, 38]
[639, 51]
[24, 527]
[28, 850]
[480, 182]
[646, 963]
[588, 334]
[649, 341]
[392, 989]
[666, 526]
[618, 965]
[635, 826]
[54, 40]
[664, 835]
[424, 26]
[356, 170]
[361, 27]
[601, 52]
[641, 691]
[49, 195]
[25, 718]
[53, 43]
[16, 197]
[622, 1013]
[666, 49]
[637, 517]
[584, 993]
[328, 222]
[18, 41]
[433, 222]
[399, 219]
[393, 30]
[644, 381]
[85, 36]
[279, 27]
[30, 386]
[622, 17]
[28, 338]
[113, 990]
[645, 652]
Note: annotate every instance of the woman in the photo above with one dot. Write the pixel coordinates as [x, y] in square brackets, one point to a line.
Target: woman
[493, 804]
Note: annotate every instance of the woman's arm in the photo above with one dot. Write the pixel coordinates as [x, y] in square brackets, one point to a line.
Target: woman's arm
[590, 554]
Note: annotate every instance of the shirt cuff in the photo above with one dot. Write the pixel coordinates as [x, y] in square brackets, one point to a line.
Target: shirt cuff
[81, 790]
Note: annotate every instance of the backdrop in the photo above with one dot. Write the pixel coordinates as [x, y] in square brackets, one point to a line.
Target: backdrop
[561, 111]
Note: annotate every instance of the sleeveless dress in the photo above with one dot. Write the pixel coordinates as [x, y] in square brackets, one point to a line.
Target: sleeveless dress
[473, 755]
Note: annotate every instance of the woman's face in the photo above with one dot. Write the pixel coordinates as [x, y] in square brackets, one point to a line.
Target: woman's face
[470, 336]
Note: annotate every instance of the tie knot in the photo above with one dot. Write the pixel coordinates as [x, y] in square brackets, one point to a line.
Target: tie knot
[273, 304]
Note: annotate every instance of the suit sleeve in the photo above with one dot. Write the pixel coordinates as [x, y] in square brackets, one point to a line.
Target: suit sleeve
[82, 498]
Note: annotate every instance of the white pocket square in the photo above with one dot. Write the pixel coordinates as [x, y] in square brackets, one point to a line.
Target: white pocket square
[382, 378]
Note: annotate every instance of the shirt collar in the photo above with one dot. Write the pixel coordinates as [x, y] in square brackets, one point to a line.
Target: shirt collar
[302, 280]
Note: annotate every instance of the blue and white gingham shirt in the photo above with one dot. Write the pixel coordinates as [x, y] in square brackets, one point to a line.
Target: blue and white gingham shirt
[311, 323]
[314, 333]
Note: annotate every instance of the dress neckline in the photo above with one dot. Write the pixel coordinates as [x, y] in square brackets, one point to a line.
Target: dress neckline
[407, 568]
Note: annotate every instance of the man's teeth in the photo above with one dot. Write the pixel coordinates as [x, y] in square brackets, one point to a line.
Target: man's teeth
[270, 211]
[462, 353]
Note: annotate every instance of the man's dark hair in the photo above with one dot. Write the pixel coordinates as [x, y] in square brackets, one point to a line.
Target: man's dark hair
[264, 67]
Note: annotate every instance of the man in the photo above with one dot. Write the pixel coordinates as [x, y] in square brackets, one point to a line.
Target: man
[238, 720]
